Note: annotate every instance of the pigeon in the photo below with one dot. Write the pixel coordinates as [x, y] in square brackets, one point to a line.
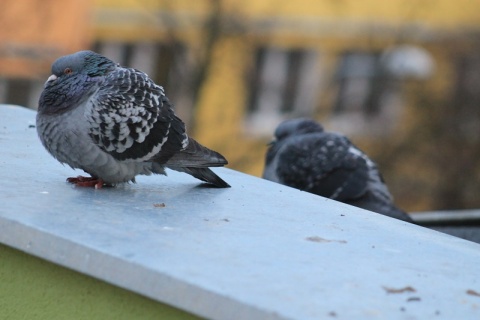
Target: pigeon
[306, 157]
[115, 123]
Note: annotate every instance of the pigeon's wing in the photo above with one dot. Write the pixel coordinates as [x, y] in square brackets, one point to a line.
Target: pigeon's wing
[196, 155]
[323, 164]
[195, 160]
[131, 118]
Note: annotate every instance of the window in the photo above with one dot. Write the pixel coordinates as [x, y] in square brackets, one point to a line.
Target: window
[167, 64]
[368, 99]
[22, 92]
[283, 84]
[358, 80]
[155, 59]
[463, 111]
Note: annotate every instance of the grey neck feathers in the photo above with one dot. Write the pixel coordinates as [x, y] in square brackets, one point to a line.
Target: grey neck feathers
[62, 96]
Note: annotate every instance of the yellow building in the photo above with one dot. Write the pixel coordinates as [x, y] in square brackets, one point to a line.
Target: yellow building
[235, 69]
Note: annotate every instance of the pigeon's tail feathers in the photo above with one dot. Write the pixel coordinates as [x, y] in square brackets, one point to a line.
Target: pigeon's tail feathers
[371, 201]
[196, 156]
[204, 174]
[195, 160]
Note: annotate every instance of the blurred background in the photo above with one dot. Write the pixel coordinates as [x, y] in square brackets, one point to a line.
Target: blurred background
[400, 78]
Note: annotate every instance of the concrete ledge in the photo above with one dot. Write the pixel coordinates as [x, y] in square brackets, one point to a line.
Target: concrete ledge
[256, 251]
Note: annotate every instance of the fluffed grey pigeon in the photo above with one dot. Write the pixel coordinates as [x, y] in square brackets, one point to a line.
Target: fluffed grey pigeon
[115, 123]
[304, 156]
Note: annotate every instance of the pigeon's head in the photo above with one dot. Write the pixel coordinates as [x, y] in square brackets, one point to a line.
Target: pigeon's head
[82, 63]
[294, 127]
[288, 129]
[72, 78]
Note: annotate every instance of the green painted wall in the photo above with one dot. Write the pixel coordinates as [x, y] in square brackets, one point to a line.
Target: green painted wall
[31, 288]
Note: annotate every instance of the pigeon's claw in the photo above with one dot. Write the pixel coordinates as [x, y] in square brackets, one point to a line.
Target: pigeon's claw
[81, 181]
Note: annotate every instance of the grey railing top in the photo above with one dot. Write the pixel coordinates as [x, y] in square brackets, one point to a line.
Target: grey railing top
[451, 216]
[256, 251]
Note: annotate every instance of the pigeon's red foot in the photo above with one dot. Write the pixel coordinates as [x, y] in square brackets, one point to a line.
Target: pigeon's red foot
[87, 182]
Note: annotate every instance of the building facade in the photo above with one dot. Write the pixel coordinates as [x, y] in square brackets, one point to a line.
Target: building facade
[235, 69]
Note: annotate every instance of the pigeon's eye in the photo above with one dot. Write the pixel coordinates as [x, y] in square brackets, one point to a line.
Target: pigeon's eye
[67, 71]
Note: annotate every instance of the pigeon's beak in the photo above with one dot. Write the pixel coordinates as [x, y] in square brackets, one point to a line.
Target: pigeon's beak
[271, 143]
[50, 79]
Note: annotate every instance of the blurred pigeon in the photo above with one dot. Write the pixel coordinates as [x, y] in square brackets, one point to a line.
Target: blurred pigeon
[305, 157]
[115, 123]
